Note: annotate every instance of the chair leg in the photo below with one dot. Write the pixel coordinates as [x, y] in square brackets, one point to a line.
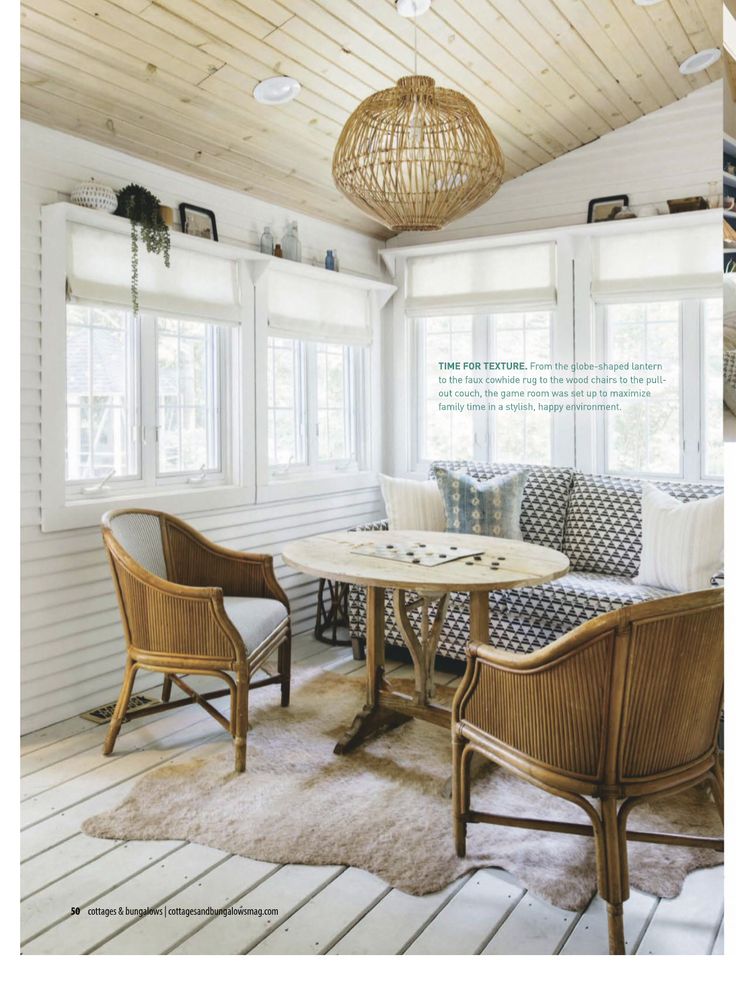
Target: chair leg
[613, 876]
[461, 757]
[239, 723]
[717, 786]
[166, 689]
[121, 708]
[284, 670]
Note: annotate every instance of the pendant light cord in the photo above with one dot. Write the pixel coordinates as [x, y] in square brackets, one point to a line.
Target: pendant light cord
[415, 46]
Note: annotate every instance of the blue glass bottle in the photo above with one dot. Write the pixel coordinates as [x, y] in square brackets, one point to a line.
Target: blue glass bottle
[330, 260]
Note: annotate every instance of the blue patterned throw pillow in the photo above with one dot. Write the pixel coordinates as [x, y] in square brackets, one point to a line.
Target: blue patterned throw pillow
[482, 507]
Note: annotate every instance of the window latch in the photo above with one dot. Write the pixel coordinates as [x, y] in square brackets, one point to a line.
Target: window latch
[99, 488]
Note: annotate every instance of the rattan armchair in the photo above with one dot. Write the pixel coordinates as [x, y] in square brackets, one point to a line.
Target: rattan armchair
[190, 607]
[622, 709]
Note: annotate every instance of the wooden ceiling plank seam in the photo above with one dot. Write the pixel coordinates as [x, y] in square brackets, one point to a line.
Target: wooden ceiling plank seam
[240, 14]
[302, 32]
[712, 11]
[563, 33]
[525, 24]
[698, 29]
[430, 57]
[108, 76]
[643, 26]
[110, 13]
[212, 13]
[587, 27]
[179, 30]
[479, 78]
[619, 32]
[350, 42]
[215, 163]
[534, 74]
[175, 98]
[35, 13]
[91, 98]
[284, 197]
[694, 24]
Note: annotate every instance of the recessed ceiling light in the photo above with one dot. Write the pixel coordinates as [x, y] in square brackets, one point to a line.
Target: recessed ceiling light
[277, 90]
[647, 3]
[413, 8]
[700, 61]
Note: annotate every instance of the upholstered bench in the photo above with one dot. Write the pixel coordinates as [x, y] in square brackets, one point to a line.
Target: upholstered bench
[594, 520]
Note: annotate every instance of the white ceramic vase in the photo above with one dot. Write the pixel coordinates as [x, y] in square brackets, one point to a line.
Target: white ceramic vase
[94, 195]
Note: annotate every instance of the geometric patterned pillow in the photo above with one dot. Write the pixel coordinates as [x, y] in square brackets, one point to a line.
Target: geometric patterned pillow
[603, 524]
[543, 504]
[490, 507]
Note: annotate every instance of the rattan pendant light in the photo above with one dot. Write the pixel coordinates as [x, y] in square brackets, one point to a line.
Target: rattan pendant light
[417, 156]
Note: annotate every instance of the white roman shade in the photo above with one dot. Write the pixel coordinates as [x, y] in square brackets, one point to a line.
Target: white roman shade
[666, 263]
[196, 284]
[317, 309]
[500, 279]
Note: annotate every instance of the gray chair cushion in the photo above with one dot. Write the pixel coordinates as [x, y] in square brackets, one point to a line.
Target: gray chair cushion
[140, 536]
[603, 527]
[254, 618]
[543, 504]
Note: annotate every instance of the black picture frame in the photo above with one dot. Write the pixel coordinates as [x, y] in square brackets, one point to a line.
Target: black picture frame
[614, 199]
[185, 208]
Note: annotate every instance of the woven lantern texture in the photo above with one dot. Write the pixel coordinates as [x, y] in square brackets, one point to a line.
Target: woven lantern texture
[417, 156]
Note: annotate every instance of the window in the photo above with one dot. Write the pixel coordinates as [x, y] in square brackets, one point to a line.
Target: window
[101, 394]
[445, 434]
[144, 397]
[316, 406]
[676, 431]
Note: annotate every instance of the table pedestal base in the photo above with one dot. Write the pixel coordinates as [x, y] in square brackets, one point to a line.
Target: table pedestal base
[386, 708]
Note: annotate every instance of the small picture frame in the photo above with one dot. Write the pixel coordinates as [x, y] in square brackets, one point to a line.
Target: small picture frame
[606, 209]
[198, 221]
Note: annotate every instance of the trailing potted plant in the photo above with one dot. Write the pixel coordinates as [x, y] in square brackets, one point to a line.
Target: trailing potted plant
[142, 209]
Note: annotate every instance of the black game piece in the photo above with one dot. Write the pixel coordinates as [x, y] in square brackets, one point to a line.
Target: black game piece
[416, 560]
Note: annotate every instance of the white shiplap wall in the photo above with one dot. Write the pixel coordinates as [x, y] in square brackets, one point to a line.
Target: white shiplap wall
[671, 153]
[71, 638]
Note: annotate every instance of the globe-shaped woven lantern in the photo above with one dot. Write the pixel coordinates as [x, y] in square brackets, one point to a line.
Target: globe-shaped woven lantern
[417, 156]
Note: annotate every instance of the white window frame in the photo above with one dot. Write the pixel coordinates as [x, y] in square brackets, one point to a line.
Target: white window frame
[484, 425]
[143, 364]
[275, 483]
[576, 440]
[58, 511]
[692, 392]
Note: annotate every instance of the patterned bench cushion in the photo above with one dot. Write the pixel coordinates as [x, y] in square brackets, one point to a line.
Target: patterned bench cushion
[574, 599]
[544, 503]
[520, 620]
[603, 526]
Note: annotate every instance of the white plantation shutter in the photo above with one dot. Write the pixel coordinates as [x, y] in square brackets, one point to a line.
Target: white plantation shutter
[196, 285]
[482, 280]
[317, 310]
[663, 264]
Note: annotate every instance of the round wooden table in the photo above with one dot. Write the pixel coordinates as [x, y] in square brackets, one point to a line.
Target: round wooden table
[483, 564]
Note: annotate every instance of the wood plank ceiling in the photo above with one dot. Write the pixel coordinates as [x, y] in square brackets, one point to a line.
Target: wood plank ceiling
[171, 80]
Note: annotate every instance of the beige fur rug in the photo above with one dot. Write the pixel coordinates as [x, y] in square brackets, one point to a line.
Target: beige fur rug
[381, 808]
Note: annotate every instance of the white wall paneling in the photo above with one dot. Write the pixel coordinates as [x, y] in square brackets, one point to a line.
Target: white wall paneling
[72, 644]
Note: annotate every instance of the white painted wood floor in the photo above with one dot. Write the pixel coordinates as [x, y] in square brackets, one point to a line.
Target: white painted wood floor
[320, 910]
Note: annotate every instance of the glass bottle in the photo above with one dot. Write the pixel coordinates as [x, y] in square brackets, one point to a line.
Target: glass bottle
[329, 260]
[267, 241]
[297, 243]
[288, 243]
[337, 260]
[277, 251]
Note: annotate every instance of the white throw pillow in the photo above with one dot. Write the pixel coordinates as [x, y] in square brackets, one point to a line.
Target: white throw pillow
[413, 504]
[682, 541]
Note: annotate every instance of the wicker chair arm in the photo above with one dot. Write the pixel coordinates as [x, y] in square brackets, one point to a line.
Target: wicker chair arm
[172, 619]
[196, 561]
